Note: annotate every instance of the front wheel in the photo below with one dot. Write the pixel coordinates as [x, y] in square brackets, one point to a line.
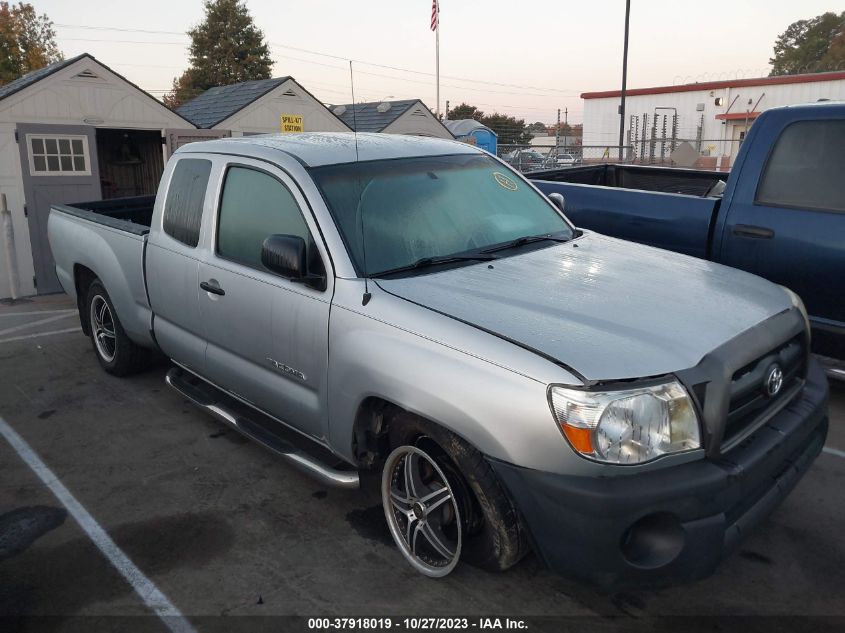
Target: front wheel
[422, 511]
[117, 354]
[443, 502]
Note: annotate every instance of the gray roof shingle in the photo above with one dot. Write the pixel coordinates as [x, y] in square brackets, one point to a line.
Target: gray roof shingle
[36, 75]
[367, 118]
[217, 104]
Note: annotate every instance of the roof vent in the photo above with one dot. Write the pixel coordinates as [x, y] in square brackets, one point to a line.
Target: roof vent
[383, 107]
[289, 93]
[87, 74]
[417, 112]
[339, 110]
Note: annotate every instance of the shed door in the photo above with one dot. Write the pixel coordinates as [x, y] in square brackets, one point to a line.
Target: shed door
[59, 166]
[178, 138]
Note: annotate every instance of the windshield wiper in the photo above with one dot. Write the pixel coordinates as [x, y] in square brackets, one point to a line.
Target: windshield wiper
[426, 262]
[526, 239]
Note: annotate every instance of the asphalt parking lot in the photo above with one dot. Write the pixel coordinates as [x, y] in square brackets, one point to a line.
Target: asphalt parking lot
[223, 528]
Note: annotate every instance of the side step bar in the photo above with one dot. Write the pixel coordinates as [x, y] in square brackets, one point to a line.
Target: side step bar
[226, 409]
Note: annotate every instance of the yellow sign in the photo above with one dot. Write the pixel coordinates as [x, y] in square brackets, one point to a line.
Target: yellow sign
[292, 123]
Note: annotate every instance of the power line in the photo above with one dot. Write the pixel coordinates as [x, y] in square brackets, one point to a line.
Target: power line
[311, 52]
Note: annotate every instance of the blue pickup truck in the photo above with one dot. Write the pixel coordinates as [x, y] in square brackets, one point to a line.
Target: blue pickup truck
[779, 214]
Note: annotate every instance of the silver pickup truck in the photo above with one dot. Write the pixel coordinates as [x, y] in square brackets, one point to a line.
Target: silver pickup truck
[415, 308]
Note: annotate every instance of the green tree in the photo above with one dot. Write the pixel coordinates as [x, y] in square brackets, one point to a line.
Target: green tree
[810, 46]
[27, 41]
[465, 111]
[508, 129]
[537, 127]
[226, 48]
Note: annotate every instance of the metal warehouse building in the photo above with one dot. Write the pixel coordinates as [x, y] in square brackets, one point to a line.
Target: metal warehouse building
[712, 116]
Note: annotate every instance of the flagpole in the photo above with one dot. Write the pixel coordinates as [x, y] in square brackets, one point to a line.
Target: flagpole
[437, 58]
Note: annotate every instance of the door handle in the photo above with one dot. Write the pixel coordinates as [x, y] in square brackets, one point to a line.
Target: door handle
[754, 232]
[215, 289]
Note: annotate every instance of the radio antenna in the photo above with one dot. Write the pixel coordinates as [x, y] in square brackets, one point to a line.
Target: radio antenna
[367, 296]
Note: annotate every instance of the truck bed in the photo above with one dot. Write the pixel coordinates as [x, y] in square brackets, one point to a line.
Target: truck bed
[657, 206]
[690, 182]
[126, 214]
[109, 237]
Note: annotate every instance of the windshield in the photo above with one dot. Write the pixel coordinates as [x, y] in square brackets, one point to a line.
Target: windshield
[431, 207]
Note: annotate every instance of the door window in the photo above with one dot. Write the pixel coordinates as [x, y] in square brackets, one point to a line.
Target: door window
[805, 169]
[58, 155]
[254, 206]
[185, 198]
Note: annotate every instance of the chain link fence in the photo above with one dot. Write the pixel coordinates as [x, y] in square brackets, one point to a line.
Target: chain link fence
[654, 138]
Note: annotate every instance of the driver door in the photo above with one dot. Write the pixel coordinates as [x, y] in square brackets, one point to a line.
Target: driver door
[267, 336]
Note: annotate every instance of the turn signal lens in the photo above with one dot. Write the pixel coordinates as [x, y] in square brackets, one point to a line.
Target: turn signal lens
[581, 439]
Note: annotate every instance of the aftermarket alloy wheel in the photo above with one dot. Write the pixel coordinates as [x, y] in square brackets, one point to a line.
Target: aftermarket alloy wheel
[422, 511]
[102, 328]
[117, 354]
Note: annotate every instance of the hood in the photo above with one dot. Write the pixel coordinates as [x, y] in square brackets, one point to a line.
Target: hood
[607, 308]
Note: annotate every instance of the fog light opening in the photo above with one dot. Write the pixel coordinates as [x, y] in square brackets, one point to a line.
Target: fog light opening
[653, 541]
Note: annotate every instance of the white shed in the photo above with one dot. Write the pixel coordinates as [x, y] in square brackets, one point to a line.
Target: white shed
[409, 116]
[71, 132]
[262, 106]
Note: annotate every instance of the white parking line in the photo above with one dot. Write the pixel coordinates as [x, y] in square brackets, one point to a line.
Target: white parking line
[35, 313]
[143, 586]
[39, 334]
[24, 326]
[834, 451]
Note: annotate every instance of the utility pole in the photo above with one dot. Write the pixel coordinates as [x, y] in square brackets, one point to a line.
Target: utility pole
[624, 78]
[566, 123]
[557, 131]
[446, 117]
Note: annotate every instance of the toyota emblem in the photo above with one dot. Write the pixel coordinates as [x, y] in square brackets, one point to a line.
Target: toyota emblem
[774, 380]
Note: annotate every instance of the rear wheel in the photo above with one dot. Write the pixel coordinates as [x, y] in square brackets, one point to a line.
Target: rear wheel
[117, 354]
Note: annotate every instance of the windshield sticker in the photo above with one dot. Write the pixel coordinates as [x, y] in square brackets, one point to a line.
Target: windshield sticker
[504, 181]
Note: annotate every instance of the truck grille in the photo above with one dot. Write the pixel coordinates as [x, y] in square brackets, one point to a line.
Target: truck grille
[750, 403]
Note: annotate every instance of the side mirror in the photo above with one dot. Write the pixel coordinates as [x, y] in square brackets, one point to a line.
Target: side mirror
[285, 256]
[558, 200]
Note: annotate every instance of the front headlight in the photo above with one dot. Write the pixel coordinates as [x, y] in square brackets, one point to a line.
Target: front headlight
[629, 426]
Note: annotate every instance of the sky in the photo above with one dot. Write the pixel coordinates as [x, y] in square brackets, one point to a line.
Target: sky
[526, 59]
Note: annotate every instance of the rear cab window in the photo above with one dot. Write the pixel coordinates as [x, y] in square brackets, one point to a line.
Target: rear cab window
[185, 199]
[806, 167]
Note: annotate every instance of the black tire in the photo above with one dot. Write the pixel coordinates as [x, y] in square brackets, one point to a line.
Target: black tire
[127, 358]
[494, 536]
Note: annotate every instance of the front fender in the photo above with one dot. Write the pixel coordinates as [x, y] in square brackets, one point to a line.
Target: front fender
[502, 413]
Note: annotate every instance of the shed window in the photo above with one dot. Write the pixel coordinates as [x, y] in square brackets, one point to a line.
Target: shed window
[59, 155]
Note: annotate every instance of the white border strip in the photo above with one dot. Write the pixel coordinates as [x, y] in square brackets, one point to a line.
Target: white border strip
[23, 326]
[143, 586]
[36, 313]
[834, 451]
[40, 334]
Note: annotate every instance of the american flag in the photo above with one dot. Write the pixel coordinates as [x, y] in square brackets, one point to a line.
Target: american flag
[434, 11]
